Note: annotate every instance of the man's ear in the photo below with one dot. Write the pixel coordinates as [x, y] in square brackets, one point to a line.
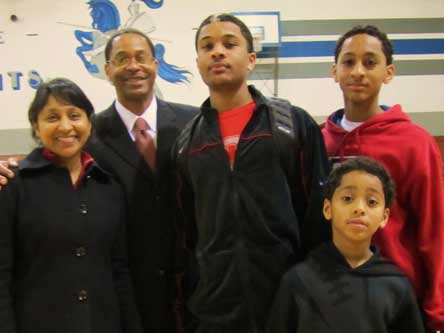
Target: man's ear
[327, 209]
[107, 72]
[390, 69]
[156, 64]
[334, 72]
[385, 218]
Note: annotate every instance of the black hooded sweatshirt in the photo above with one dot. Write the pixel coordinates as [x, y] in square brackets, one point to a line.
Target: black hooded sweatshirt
[324, 294]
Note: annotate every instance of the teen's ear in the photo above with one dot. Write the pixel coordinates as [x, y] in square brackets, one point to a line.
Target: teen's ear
[334, 72]
[385, 218]
[251, 61]
[390, 69]
[327, 209]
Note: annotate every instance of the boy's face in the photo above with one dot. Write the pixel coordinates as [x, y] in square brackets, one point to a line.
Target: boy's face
[357, 208]
[222, 55]
[362, 68]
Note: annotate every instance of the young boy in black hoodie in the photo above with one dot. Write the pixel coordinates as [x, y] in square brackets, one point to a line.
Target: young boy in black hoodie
[346, 285]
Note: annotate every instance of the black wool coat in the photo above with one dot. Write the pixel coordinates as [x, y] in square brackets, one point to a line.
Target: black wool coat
[63, 260]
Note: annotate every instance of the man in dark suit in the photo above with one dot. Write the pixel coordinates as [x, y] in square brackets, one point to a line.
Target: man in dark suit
[132, 68]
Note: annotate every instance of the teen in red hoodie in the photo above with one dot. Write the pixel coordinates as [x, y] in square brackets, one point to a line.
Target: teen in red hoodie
[414, 235]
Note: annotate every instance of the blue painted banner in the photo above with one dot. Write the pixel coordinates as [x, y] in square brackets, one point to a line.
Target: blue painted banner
[326, 48]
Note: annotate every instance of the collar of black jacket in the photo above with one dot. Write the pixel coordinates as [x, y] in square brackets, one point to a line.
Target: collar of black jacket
[258, 98]
[36, 161]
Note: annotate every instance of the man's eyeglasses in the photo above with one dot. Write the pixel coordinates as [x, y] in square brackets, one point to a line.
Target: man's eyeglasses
[124, 60]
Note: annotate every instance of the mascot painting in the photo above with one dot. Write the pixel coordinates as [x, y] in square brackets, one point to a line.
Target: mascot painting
[105, 21]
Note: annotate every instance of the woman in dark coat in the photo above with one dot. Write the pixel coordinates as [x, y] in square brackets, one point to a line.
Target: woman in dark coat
[63, 265]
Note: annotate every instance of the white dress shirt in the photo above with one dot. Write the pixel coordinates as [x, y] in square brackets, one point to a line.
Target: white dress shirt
[129, 118]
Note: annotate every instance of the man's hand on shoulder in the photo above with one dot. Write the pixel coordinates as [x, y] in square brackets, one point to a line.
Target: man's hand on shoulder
[5, 171]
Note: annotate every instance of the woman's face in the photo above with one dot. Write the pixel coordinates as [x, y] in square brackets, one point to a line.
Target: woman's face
[63, 129]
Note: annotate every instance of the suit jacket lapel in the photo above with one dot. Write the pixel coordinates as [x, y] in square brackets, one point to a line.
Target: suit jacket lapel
[166, 127]
[115, 135]
[165, 116]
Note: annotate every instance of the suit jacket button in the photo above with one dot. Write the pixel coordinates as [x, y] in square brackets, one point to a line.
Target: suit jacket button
[80, 251]
[82, 296]
[161, 272]
[83, 209]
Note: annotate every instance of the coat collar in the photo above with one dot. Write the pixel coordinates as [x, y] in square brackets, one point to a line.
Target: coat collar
[35, 161]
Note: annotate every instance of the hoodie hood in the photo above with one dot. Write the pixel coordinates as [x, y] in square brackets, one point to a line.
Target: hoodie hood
[334, 262]
[373, 130]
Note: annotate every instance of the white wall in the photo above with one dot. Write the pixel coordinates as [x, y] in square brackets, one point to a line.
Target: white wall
[50, 50]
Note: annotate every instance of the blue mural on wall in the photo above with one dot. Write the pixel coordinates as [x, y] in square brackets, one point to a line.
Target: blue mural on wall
[153, 4]
[105, 21]
[33, 78]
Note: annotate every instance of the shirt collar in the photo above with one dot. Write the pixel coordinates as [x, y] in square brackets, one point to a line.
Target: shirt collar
[341, 120]
[129, 118]
[349, 125]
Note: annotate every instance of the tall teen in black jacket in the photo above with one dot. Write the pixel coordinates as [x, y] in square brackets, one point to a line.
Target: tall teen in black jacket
[247, 217]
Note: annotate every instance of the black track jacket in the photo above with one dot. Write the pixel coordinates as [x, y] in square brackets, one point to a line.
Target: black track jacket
[248, 225]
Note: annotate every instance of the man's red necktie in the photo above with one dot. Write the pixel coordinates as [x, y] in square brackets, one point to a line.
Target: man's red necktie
[145, 142]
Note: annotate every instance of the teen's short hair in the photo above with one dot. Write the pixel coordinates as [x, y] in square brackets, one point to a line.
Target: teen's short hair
[227, 18]
[370, 30]
[63, 90]
[109, 44]
[364, 164]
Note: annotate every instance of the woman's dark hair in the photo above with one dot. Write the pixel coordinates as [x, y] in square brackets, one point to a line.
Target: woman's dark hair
[364, 164]
[62, 90]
